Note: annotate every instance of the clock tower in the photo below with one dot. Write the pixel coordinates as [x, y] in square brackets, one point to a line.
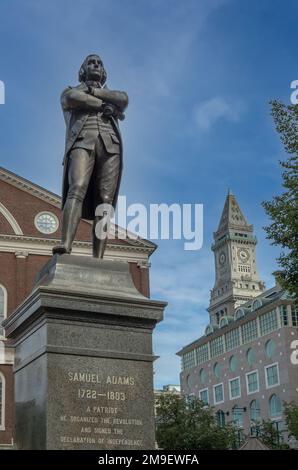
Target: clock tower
[236, 275]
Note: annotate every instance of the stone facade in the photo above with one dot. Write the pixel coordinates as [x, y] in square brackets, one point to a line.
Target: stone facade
[24, 249]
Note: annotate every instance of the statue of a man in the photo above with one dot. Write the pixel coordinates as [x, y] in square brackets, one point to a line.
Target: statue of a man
[93, 151]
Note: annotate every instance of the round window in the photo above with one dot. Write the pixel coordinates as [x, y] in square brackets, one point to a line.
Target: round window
[46, 222]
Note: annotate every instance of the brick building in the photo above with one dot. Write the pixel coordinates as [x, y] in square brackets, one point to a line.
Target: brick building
[242, 366]
[30, 220]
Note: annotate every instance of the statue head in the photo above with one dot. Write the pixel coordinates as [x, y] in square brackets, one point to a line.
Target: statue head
[93, 69]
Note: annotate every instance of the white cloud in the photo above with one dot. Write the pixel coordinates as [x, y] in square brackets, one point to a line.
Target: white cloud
[210, 111]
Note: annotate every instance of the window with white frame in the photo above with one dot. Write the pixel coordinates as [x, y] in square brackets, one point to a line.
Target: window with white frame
[216, 346]
[2, 402]
[252, 382]
[204, 396]
[272, 375]
[232, 339]
[235, 390]
[249, 331]
[202, 353]
[3, 307]
[218, 393]
[189, 360]
[268, 322]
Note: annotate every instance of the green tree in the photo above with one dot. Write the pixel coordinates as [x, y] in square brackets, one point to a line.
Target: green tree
[283, 209]
[271, 436]
[291, 415]
[184, 424]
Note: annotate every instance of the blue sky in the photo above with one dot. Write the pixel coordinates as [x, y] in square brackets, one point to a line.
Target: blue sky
[199, 75]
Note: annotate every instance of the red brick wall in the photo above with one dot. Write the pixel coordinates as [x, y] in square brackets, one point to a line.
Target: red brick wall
[24, 207]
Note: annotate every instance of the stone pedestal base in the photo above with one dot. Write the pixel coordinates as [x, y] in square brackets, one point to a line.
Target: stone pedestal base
[83, 358]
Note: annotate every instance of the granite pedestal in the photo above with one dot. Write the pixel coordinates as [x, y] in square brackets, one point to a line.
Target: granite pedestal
[83, 358]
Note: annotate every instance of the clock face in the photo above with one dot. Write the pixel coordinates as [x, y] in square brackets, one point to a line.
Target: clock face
[222, 258]
[46, 222]
[243, 255]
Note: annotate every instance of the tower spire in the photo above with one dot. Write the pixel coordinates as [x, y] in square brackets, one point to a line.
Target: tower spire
[236, 276]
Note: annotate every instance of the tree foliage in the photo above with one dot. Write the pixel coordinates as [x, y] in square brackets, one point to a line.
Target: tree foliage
[283, 209]
[184, 424]
[271, 436]
[291, 415]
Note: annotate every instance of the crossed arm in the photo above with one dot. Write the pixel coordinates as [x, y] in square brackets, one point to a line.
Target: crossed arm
[93, 99]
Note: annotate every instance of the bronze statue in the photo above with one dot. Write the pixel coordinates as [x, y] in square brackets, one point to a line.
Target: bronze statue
[93, 151]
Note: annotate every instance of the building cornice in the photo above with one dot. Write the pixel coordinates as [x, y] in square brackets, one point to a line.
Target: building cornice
[43, 246]
[23, 184]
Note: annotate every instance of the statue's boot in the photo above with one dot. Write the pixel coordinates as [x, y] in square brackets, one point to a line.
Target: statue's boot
[99, 243]
[72, 213]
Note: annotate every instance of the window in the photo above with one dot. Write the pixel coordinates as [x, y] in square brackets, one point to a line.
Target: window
[233, 363]
[220, 417]
[283, 315]
[189, 360]
[294, 314]
[243, 268]
[251, 356]
[209, 329]
[274, 406]
[202, 376]
[216, 346]
[270, 347]
[217, 370]
[223, 322]
[202, 353]
[235, 391]
[237, 416]
[268, 322]
[249, 331]
[252, 382]
[204, 396]
[2, 402]
[256, 304]
[272, 376]
[232, 339]
[3, 307]
[218, 393]
[239, 313]
[255, 411]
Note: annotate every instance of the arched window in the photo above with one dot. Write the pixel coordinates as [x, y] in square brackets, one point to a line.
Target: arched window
[256, 304]
[233, 363]
[237, 416]
[203, 376]
[220, 417]
[239, 313]
[223, 322]
[3, 307]
[2, 402]
[251, 356]
[217, 370]
[270, 348]
[274, 406]
[209, 330]
[255, 411]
